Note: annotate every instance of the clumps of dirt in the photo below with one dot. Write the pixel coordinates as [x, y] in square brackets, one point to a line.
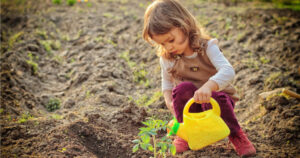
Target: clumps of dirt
[95, 74]
[25, 139]
[276, 121]
[16, 94]
[128, 119]
[100, 140]
[282, 119]
[280, 79]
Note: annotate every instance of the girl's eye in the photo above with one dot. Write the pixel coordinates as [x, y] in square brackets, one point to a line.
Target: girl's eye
[171, 41]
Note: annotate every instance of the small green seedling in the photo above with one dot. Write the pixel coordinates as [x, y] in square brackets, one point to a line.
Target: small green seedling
[71, 2]
[159, 146]
[25, 117]
[32, 63]
[53, 104]
[56, 1]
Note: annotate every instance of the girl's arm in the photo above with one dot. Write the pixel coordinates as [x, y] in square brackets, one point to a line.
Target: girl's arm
[203, 94]
[168, 100]
[225, 74]
[166, 84]
[218, 81]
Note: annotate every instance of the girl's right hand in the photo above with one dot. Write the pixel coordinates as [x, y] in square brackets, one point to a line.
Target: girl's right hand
[202, 95]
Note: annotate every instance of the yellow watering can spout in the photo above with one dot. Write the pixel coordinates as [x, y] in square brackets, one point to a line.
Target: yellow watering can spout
[200, 129]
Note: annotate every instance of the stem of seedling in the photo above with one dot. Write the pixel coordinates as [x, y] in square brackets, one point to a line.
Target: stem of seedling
[154, 150]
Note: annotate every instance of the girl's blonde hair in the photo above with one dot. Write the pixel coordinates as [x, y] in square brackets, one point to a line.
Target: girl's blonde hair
[163, 15]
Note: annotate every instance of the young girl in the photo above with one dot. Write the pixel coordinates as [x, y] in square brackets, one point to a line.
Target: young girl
[192, 65]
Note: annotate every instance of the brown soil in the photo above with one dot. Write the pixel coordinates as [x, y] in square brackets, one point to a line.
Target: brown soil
[89, 66]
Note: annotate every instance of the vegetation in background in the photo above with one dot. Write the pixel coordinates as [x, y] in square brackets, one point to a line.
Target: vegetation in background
[56, 1]
[25, 117]
[57, 117]
[288, 4]
[32, 63]
[53, 104]
[144, 100]
[13, 39]
[47, 46]
[71, 2]
[273, 78]
[251, 62]
[139, 73]
[159, 146]
[15, 6]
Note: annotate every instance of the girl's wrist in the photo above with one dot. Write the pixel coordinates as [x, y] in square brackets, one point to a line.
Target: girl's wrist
[212, 85]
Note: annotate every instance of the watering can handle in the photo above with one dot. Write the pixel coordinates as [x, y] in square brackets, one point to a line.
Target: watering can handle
[213, 102]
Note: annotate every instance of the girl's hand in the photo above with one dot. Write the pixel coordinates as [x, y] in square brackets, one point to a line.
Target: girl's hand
[203, 94]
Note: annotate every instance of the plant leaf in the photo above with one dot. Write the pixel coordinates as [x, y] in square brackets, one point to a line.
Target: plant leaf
[136, 141]
[163, 138]
[145, 138]
[144, 146]
[173, 149]
[135, 148]
[152, 132]
[164, 147]
[150, 147]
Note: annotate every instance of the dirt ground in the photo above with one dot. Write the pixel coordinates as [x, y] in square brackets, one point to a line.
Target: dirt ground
[92, 58]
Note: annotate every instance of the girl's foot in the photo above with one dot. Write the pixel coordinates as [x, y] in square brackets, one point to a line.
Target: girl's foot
[242, 144]
[180, 144]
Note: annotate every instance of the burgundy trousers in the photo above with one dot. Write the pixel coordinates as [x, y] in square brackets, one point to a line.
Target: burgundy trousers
[185, 91]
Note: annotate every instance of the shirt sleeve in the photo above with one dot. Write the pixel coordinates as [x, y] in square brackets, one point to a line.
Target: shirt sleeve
[225, 74]
[166, 83]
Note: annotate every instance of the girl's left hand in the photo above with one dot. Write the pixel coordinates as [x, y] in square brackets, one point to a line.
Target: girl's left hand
[203, 94]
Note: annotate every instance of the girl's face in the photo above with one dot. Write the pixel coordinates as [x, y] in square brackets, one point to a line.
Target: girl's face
[175, 42]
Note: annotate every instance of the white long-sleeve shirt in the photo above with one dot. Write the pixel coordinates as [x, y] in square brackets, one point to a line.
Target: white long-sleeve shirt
[225, 72]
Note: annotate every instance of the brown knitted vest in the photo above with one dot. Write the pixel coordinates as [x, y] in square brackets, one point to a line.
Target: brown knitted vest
[196, 70]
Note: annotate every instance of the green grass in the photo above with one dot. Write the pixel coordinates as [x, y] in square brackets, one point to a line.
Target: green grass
[57, 117]
[32, 63]
[108, 15]
[42, 34]
[59, 59]
[125, 56]
[15, 6]
[56, 45]
[282, 4]
[146, 100]
[47, 46]
[14, 38]
[139, 73]
[89, 4]
[25, 117]
[264, 60]
[287, 4]
[273, 78]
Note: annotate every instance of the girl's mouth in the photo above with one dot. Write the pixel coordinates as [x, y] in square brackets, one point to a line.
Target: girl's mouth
[174, 52]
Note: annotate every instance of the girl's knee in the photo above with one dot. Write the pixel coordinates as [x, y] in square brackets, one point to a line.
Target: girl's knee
[223, 99]
[185, 87]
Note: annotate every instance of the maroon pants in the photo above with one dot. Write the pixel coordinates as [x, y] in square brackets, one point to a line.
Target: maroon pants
[185, 91]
